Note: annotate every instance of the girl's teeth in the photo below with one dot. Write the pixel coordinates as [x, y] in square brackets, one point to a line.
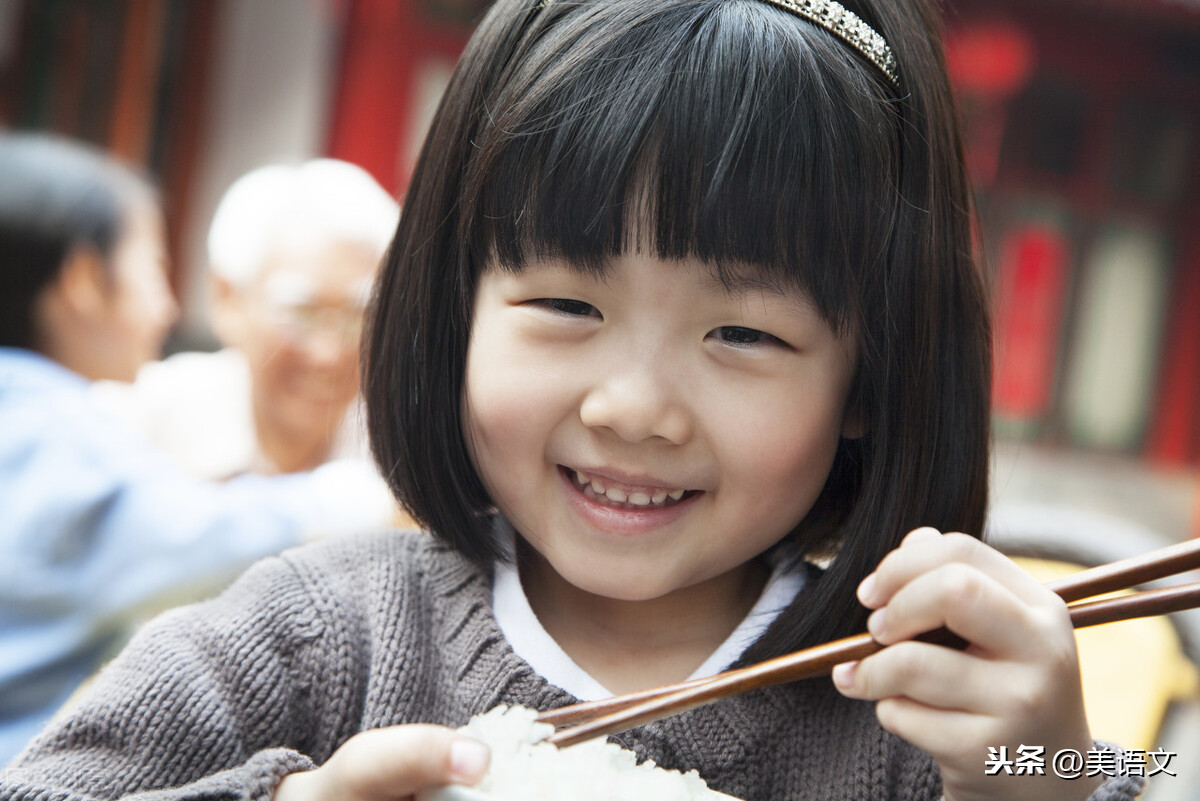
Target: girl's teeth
[636, 498]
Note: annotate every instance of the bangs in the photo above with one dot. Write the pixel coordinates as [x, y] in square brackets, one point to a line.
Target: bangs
[675, 149]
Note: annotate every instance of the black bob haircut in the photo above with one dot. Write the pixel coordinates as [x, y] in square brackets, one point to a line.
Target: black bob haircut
[737, 133]
[56, 195]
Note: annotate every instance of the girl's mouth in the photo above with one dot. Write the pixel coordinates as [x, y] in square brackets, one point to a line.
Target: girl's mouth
[607, 492]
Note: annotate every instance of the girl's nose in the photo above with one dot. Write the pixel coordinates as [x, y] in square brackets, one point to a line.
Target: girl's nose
[637, 404]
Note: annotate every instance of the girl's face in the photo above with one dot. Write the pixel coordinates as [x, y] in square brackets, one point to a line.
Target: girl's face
[649, 430]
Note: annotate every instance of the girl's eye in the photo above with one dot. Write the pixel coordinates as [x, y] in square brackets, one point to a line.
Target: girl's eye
[744, 337]
[573, 308]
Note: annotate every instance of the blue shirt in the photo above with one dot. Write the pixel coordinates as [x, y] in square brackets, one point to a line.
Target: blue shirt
[96, 525]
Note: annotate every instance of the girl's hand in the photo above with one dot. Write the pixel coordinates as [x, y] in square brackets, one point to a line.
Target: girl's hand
[1017, 683]
[390, 765]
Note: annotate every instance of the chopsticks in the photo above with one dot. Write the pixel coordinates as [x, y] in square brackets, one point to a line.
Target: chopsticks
[599, 718]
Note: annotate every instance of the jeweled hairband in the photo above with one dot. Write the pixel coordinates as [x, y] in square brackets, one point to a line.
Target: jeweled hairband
[845, 25]
[850, 28]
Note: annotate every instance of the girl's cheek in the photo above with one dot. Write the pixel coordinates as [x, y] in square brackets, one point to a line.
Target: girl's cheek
[504, 406]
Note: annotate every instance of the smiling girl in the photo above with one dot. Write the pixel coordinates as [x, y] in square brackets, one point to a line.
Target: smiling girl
[678, 337]
[674, 441]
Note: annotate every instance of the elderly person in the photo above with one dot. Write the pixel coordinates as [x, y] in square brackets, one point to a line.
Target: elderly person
[292, 253]
[96, 526]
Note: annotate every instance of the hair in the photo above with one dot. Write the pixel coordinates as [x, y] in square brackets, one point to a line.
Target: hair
[56, 195]
[322, 200]
[733, 132]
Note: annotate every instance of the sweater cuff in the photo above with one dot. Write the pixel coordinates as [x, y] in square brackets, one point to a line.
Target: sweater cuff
[255, 780]
[266, 770]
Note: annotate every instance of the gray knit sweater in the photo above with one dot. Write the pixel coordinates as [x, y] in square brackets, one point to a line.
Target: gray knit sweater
[220, 699]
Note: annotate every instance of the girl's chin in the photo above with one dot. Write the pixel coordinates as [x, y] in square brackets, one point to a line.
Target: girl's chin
[630, 580]
[595, 576]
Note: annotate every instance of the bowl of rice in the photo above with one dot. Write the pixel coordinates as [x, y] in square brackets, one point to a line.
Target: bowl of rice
[523, 768]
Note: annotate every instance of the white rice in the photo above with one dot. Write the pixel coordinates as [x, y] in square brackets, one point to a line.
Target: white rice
[525, 769]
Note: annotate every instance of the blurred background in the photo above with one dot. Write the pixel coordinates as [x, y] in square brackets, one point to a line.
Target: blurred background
[1082, 120]
[1083, 124]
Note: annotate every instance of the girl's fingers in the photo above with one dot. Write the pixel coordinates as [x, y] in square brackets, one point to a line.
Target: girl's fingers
[976, 607]
[396, 762]
[948, 735]
[931, 675]
[1017, 682]
[925, 549]
[963, 743]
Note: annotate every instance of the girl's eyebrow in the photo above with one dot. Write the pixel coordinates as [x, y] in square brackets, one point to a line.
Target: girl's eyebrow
[739, 283]
[731, 280]
[746, 281]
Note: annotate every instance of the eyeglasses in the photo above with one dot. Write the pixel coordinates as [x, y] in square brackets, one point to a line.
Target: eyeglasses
[305, 322]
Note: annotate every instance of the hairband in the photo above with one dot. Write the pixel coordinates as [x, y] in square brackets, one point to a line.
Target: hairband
[850, 28]
[842, 23]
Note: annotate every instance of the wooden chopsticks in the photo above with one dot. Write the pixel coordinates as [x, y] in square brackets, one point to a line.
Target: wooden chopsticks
[599, 718]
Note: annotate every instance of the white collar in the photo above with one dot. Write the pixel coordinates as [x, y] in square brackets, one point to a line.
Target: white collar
[530, 641]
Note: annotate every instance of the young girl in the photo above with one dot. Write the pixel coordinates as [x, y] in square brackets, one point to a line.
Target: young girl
[681, 306]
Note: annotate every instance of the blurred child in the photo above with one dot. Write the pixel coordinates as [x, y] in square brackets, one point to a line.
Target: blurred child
[681, 305]
[96, 525]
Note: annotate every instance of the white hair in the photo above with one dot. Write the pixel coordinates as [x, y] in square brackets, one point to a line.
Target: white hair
[322, 200]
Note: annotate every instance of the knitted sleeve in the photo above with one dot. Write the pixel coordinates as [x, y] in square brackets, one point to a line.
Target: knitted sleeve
[216, 700]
